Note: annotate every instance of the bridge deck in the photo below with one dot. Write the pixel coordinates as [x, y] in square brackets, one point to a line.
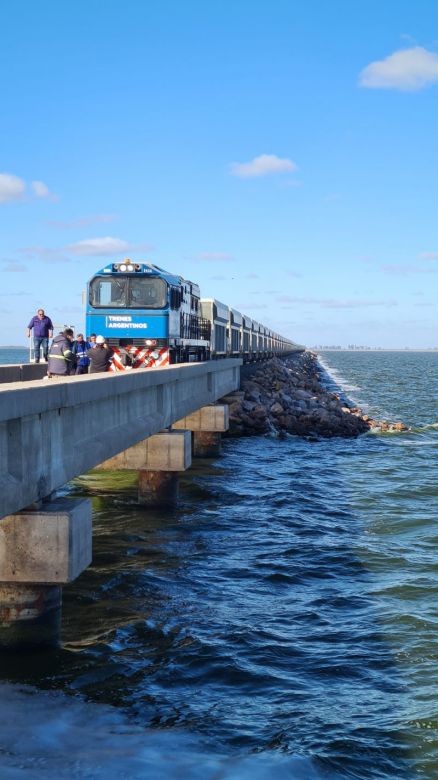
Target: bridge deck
[54, 430]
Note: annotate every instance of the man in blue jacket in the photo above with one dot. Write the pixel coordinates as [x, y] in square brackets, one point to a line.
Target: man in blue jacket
[42, 331]
[80, 348]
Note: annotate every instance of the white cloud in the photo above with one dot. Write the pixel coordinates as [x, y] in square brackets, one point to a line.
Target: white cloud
[264, 165]
[40, 189]
[407, 70]
[93, 247]
[11, 187]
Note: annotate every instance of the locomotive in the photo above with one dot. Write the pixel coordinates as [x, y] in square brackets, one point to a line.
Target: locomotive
[153, 318]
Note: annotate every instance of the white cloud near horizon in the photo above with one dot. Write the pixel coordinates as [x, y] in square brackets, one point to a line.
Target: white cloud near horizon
[407, 70]
[107, 245]
[11, 187]
[332, 303]
[264, 165]
[428, 255]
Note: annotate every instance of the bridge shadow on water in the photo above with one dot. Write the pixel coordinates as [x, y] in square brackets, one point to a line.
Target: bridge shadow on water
[246, 619]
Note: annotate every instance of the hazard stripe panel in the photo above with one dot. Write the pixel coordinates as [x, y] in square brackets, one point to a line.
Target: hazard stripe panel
[141, 358]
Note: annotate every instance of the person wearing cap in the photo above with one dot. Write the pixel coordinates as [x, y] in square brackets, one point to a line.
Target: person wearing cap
[61, 360]
[100, 356]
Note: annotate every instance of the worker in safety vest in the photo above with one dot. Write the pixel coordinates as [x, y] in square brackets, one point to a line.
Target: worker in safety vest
[61, 358]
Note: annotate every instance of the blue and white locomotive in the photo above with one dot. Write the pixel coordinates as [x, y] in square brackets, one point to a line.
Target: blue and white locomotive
[152, 318]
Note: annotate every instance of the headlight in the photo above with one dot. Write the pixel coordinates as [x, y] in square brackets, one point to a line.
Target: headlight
[123, 267]
[129, 267]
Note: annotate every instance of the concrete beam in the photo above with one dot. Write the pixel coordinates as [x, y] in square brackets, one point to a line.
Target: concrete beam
[51, 545]
[52, 432]
[208, 418]
[166, 451]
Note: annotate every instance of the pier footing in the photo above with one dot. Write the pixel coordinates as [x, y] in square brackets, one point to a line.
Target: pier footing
[39, 551]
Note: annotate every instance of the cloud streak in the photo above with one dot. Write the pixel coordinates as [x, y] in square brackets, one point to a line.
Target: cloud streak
[406, 70]
[264, 165]
[215, 257]
[333, 303]
[82, 222]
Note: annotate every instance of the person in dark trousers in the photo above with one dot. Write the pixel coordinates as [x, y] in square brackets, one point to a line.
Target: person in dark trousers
[61, 359]
[100, 356]
[42, 327]
[80, 349]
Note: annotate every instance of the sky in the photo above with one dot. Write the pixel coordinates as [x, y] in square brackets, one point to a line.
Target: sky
[281, 154]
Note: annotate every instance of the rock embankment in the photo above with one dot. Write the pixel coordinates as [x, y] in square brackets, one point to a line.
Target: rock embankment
[289, 396]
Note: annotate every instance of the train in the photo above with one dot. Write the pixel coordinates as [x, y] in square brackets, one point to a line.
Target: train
[153, 318]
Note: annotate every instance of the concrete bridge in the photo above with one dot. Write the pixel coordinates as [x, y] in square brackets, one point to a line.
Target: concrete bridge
[54, 430]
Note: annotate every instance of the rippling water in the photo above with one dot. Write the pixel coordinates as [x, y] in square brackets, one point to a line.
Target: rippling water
[281, 623]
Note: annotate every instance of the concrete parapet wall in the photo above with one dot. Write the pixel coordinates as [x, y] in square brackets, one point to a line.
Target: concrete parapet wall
[51, 431]
[22, 372]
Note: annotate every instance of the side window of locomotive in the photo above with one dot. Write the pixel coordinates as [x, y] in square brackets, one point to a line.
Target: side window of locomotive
[147, 293]
[108, 292]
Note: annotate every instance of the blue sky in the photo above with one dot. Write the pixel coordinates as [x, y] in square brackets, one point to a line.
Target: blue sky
[282, 155]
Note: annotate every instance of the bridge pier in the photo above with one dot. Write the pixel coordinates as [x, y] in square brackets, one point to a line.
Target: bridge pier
[158, 460]
[207, 424]
[40, 550]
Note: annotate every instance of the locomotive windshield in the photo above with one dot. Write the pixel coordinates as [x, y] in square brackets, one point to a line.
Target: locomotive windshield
[125, 292]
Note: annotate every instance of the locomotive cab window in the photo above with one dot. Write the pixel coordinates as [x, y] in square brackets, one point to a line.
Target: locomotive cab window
[147, 293]
[110, 293]
[128, 293]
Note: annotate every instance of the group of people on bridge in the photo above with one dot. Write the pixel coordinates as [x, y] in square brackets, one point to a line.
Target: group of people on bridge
[67, 355]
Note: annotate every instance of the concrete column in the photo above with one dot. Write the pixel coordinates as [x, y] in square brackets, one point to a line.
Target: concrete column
[39, 551]
[158, 488]
[158, 460]
[30, 615]
[206, 444]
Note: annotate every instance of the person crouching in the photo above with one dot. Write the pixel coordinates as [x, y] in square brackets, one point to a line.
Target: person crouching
[100, 356]
[61, 360]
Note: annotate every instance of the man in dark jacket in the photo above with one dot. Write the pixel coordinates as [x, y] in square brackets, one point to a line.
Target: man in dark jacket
[100, 356]
[42, 331]
[61, 358]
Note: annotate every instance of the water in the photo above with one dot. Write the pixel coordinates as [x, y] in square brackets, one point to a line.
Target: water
[14, 355]
[282, 623]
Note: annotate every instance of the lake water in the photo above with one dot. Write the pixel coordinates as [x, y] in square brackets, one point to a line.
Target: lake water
[282, 623]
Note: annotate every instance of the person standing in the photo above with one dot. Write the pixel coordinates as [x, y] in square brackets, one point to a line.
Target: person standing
[42, 327]
[100, 356]
[61, 360]
[80, 349]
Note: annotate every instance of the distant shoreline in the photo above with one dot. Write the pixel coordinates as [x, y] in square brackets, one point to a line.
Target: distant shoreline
[378, 349]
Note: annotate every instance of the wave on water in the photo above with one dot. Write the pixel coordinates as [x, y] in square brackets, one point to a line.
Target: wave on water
[336, 377]
[53, 737]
